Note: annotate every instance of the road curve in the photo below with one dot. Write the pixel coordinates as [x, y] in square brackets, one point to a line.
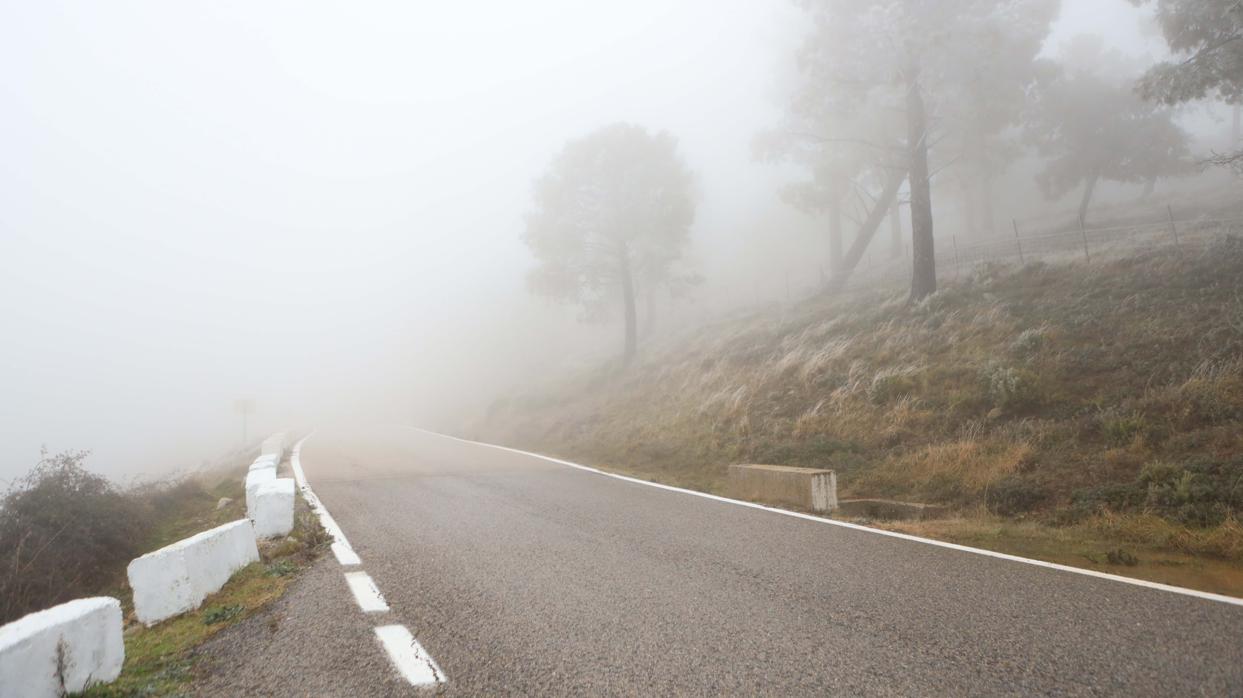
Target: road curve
[523, 576]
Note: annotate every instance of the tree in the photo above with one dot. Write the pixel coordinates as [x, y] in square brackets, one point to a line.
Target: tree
[1207, 37]
[1091, 129]
[989, 97]
[927, 62]
[614, 207]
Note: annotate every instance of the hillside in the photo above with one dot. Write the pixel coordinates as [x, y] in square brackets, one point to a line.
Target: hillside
[1051, 406]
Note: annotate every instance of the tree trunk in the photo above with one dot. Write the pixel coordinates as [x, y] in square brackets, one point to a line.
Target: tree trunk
[1087, 197]
[969, 213]
[986, 201]
[627, 281]
[923, 252]
[835, 236]
[895, 230]
[649, 314]
[868, 229]
[1149, 187]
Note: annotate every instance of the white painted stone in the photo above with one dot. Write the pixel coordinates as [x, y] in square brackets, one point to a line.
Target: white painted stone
[254, 478]
[79, 642]
[268, 461]
[274, 445]
[273, 509]
[177, 578]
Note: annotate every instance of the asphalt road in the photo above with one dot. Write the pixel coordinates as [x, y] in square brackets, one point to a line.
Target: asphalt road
[521, 576]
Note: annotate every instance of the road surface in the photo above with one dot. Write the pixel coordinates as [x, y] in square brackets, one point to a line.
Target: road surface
[523, 576]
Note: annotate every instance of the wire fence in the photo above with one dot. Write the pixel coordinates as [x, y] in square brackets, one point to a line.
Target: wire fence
[955, 258]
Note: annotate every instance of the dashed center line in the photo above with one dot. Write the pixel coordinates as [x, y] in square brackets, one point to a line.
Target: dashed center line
[365, 592]
[413, 662]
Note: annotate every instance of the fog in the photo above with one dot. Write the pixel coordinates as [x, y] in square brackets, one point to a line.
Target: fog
[321, 206]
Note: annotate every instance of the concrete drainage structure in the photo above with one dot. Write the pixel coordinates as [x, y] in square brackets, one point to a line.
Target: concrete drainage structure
[176, 579]
[63, 649]
[810, 489]
[272, 510]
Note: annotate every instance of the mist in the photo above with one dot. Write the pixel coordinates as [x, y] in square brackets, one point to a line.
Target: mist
[321, 208]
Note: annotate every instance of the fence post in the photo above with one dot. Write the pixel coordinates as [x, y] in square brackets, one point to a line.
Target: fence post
[1173, 227]
[1018, 241]
[1084, 232]
[957, 263]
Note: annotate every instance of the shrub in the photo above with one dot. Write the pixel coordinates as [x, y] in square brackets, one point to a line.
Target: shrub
[1010, 388]
[1121, 556]
[1029, 341]
[887, 386]
[1013, 495]
[1202, 493]
[65, 533]
[220, 614]
[1121, 428]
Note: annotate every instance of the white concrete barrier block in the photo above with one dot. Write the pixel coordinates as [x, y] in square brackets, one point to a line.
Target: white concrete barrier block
[78, 643]
[273, 445]
[268, 461]
[273, 510]
[177, 578]
[254, 478]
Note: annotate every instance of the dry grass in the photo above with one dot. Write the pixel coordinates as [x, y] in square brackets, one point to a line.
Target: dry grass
[1041, 392]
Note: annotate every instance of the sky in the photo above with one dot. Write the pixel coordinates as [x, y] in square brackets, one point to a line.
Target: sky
[319, 205]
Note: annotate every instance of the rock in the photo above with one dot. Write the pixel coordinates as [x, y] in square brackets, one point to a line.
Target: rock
[224, 502]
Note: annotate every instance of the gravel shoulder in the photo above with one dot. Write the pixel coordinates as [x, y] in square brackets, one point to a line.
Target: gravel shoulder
[312, 641]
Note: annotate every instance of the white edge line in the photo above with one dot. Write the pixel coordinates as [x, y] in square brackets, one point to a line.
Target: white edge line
[366, 593]
[408, 656]
[340, 546]
[1209, 596]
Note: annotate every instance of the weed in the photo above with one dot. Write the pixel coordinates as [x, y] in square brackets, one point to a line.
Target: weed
[1010, 388]
[1029, 341]
[887, 386]
[220, 614]
[1121, 428]
[1013, 495]
[281, 568]
[1120, 556]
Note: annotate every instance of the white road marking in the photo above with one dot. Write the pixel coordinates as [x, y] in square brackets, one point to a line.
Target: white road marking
[366, 593]
[411, 660]
[892, 534]
[340, 546]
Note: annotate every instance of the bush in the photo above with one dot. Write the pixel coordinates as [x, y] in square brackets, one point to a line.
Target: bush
[1029, 342]
[1014, 495]
[1202, 493]
[1010, 388]
[887, 386]
[1121, 428]
[65, 533]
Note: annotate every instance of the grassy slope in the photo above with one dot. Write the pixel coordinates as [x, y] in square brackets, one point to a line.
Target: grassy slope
[1048, 405]
[160, 660]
